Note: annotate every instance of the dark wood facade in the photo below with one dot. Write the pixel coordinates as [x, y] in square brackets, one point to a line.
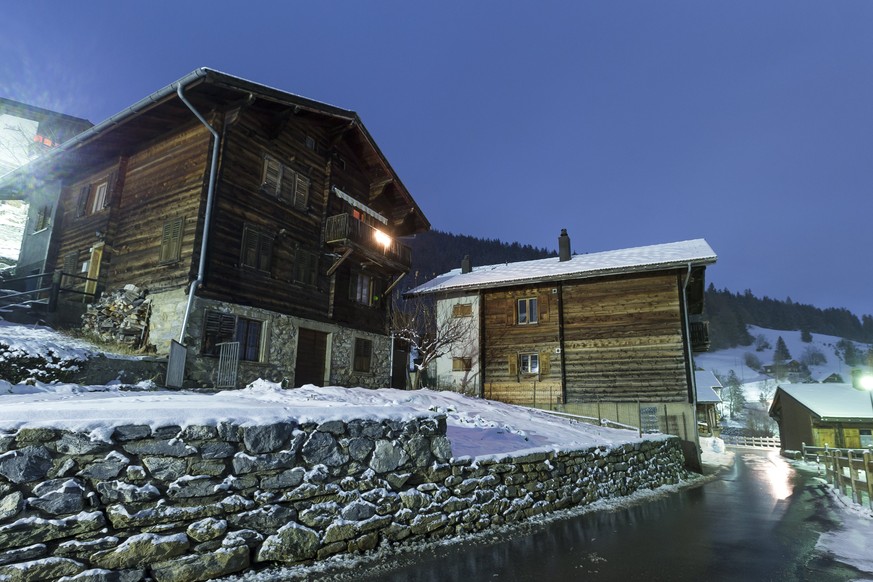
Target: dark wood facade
[134, 197]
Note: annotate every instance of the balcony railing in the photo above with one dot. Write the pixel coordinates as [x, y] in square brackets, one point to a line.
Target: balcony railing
[699, 336]
[343, 230]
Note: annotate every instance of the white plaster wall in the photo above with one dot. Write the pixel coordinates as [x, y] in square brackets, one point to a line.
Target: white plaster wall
[464, 382]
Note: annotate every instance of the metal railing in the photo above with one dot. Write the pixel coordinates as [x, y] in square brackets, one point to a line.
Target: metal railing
[342, 227]
[48, 294]
[228, 364]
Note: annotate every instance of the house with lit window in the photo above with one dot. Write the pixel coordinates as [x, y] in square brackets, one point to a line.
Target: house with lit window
[819, 414]
[26, 132]
[264, 226]
[606, 335]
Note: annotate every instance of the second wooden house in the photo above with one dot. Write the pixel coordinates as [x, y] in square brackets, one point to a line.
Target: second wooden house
[255, 218]
[605, 335]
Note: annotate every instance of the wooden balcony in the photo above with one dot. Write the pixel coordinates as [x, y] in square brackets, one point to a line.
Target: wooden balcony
[699, 336]
[344, 232]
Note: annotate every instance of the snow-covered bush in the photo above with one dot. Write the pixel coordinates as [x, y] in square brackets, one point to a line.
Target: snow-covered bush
[17, 366]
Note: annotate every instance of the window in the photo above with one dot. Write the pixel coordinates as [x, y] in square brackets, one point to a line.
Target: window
[285, 183]
[527, 311]
[220, 328]
[462, 364]
[305, 267]
[529, 363]
[866, 437]
[462, 310]
[310, 142]
[99, 201]
[363, 353]
[43, 216]
[257, 249]
[361, 288]
[171, 240]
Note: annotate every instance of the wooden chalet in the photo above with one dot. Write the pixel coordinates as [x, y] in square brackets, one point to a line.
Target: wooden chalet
[833, 414]
[255, 218]
[606, 335]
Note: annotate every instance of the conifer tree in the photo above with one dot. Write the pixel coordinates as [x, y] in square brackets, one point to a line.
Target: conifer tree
[781, 353]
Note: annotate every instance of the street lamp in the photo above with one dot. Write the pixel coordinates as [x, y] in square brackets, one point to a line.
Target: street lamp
[865, 382]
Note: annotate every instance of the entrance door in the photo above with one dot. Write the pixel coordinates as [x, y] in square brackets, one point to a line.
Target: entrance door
[311, 353]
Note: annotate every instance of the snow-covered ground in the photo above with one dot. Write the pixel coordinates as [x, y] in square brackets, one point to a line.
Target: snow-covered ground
[13, 217]
[476, 428]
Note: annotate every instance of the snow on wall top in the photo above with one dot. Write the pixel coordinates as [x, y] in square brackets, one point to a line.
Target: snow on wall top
[636, 259]
[831, 401]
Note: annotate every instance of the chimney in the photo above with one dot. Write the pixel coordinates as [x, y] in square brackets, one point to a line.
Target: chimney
[563, 246]
[466, 265]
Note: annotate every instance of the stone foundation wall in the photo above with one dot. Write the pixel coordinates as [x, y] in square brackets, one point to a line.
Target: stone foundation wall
[184, 504]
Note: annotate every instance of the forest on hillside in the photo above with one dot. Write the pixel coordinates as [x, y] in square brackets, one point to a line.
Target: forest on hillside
[436, 252]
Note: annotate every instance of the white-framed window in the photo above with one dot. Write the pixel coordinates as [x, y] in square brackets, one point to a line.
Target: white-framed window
[99, 201]
[526, 311]
[361, 288]
[866, 437]
[529, 363]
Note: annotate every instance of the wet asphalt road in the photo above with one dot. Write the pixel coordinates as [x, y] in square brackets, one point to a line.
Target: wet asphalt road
[758, 520]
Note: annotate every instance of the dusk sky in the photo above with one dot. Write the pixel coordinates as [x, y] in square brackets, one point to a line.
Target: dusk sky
[747, 123]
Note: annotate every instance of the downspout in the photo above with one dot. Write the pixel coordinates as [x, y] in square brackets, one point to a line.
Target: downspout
[210, 192]
[692, 383]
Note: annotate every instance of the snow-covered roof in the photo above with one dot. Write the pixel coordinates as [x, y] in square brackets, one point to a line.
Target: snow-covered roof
[831, 401]
[638, 259]
[705, 381]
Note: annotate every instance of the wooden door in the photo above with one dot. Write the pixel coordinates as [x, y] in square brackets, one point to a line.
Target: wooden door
[311, 355]
[852, 438]
[824, 436]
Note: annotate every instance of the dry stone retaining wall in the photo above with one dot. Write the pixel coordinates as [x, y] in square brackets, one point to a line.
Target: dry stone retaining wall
[193, 503]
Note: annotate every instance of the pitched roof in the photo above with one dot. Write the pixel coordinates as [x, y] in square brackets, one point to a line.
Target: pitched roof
[633, 260]
[705, 381]
[830, 401]
[150, 117]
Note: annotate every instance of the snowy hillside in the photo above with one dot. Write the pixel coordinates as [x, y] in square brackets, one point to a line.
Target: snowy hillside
[823, 348]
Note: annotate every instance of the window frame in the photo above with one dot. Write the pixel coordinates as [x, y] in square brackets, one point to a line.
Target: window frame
[98, 202]
[529, 363]
[531, 313]
[362, 355]
[255, 240]
[305, 269]
[462, 364]
[361, 288]
[43, 219]
[228, 327]
[462, 310]
[284, 183]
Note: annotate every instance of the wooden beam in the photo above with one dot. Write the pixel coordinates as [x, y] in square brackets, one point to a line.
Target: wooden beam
[339, 261]
[394, 284]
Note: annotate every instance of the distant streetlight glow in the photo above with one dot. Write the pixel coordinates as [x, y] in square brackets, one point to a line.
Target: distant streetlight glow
[866, 382]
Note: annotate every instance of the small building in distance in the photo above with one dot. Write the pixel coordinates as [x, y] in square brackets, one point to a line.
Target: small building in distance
[833, 414]
[607, 335]
[708, 402]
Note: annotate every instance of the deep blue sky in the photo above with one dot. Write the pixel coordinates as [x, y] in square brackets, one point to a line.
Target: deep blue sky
[748, 123]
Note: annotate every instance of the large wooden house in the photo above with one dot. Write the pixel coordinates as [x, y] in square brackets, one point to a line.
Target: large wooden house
[253, 217]
[605, 335]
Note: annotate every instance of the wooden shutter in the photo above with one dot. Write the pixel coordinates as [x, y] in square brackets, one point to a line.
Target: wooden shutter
[512, 311]
[171, 240]
[271, 180]
[543, 304]
[111, 189]
[265, 252]
[249, 250]
[82, 203]
[301, 191]
[513, 365]
[545, 363]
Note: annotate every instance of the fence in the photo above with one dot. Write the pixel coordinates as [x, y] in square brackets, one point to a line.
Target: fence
[753, 442]
[849, 470]
[49, 294]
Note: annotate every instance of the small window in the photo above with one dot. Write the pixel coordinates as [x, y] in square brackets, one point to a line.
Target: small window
[305, 267]
[363, 354]
[866, 437]
[171, 240]
[99, 201]
[43, 216]
[527, 311]
[462, 310]
[310, 142]
[361, 288]
[221, 328]
[529, 363]
[257, 249]
[462, 364]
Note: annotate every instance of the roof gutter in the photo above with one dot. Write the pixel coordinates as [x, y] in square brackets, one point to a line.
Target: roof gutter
[692, 381]
[210, 196]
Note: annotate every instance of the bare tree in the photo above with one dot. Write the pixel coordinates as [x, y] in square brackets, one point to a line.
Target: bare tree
[428, 331]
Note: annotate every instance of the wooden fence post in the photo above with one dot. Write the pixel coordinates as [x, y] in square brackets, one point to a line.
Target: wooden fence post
[869, 477]
[855, 492]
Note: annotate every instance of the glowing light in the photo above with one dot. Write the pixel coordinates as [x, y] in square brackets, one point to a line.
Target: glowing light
[866, 382]
[382, 238]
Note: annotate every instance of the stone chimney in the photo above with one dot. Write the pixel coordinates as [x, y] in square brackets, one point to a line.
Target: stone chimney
[563, 246]
[466, 265]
